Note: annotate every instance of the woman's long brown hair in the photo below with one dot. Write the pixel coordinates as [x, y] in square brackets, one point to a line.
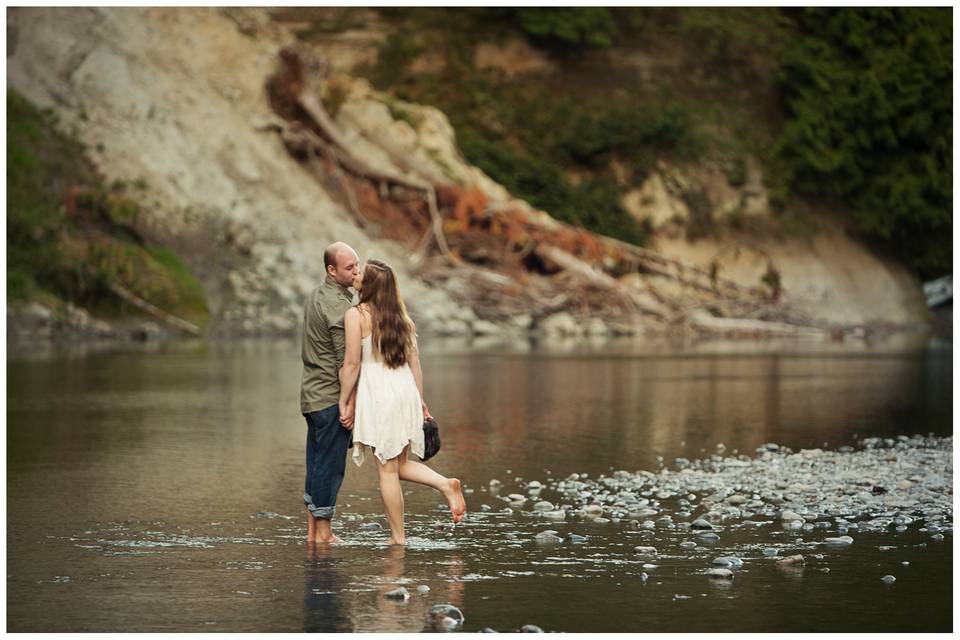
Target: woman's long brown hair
[392, 327]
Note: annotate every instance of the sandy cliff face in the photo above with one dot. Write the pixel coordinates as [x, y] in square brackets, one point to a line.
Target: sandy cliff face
[176, 98]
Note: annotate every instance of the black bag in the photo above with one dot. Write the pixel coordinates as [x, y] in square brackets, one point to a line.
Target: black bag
[431, 439]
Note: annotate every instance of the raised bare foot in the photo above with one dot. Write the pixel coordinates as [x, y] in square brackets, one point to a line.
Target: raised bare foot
[454, 495]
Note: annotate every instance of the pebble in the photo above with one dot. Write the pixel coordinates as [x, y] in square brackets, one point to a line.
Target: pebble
[484, 507]
[371, 526]
[530, 628]
[791, 561]
[727, 561]
[397, 594]
[423, 589]
[937, 537]
[576, 538]
[554, 515]
[548, 537]
[649, 566]
[771, 551]
[438, 612]
[709, 536]
[543, 505]
[700, 523]
[643, 576]
[790, 516]
[888, 579]
[688, 545]
[840, 540]
[725, 574]
[487, 630]
[650, 551]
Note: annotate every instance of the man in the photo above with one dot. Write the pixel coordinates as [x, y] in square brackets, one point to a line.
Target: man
[323, 352]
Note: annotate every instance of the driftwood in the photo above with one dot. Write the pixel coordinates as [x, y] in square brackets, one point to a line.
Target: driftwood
[306, 99]
[151, 310]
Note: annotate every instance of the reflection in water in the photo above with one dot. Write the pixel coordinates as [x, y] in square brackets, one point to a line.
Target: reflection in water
[182, 467]
[323, 606]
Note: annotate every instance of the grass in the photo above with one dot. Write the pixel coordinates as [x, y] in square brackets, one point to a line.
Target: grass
[69, 236]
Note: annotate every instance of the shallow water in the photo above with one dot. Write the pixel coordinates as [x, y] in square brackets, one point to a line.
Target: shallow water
[159, 490]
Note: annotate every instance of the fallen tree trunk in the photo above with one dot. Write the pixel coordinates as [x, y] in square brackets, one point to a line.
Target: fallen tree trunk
[153, 311]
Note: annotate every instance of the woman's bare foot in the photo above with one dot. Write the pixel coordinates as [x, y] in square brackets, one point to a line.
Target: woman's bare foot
[394, 541]
[454, 495]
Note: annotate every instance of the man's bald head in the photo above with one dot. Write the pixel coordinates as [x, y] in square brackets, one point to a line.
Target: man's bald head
[341, 262]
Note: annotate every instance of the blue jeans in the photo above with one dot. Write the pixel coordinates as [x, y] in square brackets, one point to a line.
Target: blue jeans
[327, 443]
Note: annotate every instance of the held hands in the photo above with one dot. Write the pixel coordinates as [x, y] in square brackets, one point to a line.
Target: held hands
[347, 411]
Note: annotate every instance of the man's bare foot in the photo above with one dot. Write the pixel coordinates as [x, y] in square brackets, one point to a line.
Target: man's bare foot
[328, 539]
[454, 495]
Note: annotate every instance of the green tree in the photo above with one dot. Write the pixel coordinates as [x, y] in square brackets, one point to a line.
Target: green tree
[869, 96]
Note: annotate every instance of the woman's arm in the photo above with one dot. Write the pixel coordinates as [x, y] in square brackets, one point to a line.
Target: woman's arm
[350, 370]
[418, 373]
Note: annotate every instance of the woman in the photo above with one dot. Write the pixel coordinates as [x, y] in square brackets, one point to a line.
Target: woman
[382, 366]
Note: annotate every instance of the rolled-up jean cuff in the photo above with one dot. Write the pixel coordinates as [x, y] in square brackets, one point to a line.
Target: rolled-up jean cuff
[326, 513]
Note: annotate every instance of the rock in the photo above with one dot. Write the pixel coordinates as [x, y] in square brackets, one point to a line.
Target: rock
[487, 630]
[904, 485]
[559, 514]
[371, 526]
[593, 510]
[790, 516]
[397, 594]
[516, 498]
[597, 327]
[486, 328]
[700, 523]
[650, 551]
[530, 628]
[791, 561]
[709, 536]
[688, 545]
[737, 498]
[770, 552]
[548, 537]
[727, 561]
[485, 507]
[439, 611]
[842, 540]
[937, 536]
[888, 579]
[560, 325]
[577, 539]
[724, 574]
[423, 589]
[543, 505]
[643, 576]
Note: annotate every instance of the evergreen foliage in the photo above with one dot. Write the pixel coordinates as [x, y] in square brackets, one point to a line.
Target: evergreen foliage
[869, 95]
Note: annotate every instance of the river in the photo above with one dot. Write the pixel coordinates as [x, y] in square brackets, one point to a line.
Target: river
[158, 488]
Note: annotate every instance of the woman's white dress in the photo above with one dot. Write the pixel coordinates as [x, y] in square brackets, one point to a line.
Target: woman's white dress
[388, 414]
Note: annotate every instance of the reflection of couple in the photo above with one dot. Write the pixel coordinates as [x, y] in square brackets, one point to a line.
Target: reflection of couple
[361, 373]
